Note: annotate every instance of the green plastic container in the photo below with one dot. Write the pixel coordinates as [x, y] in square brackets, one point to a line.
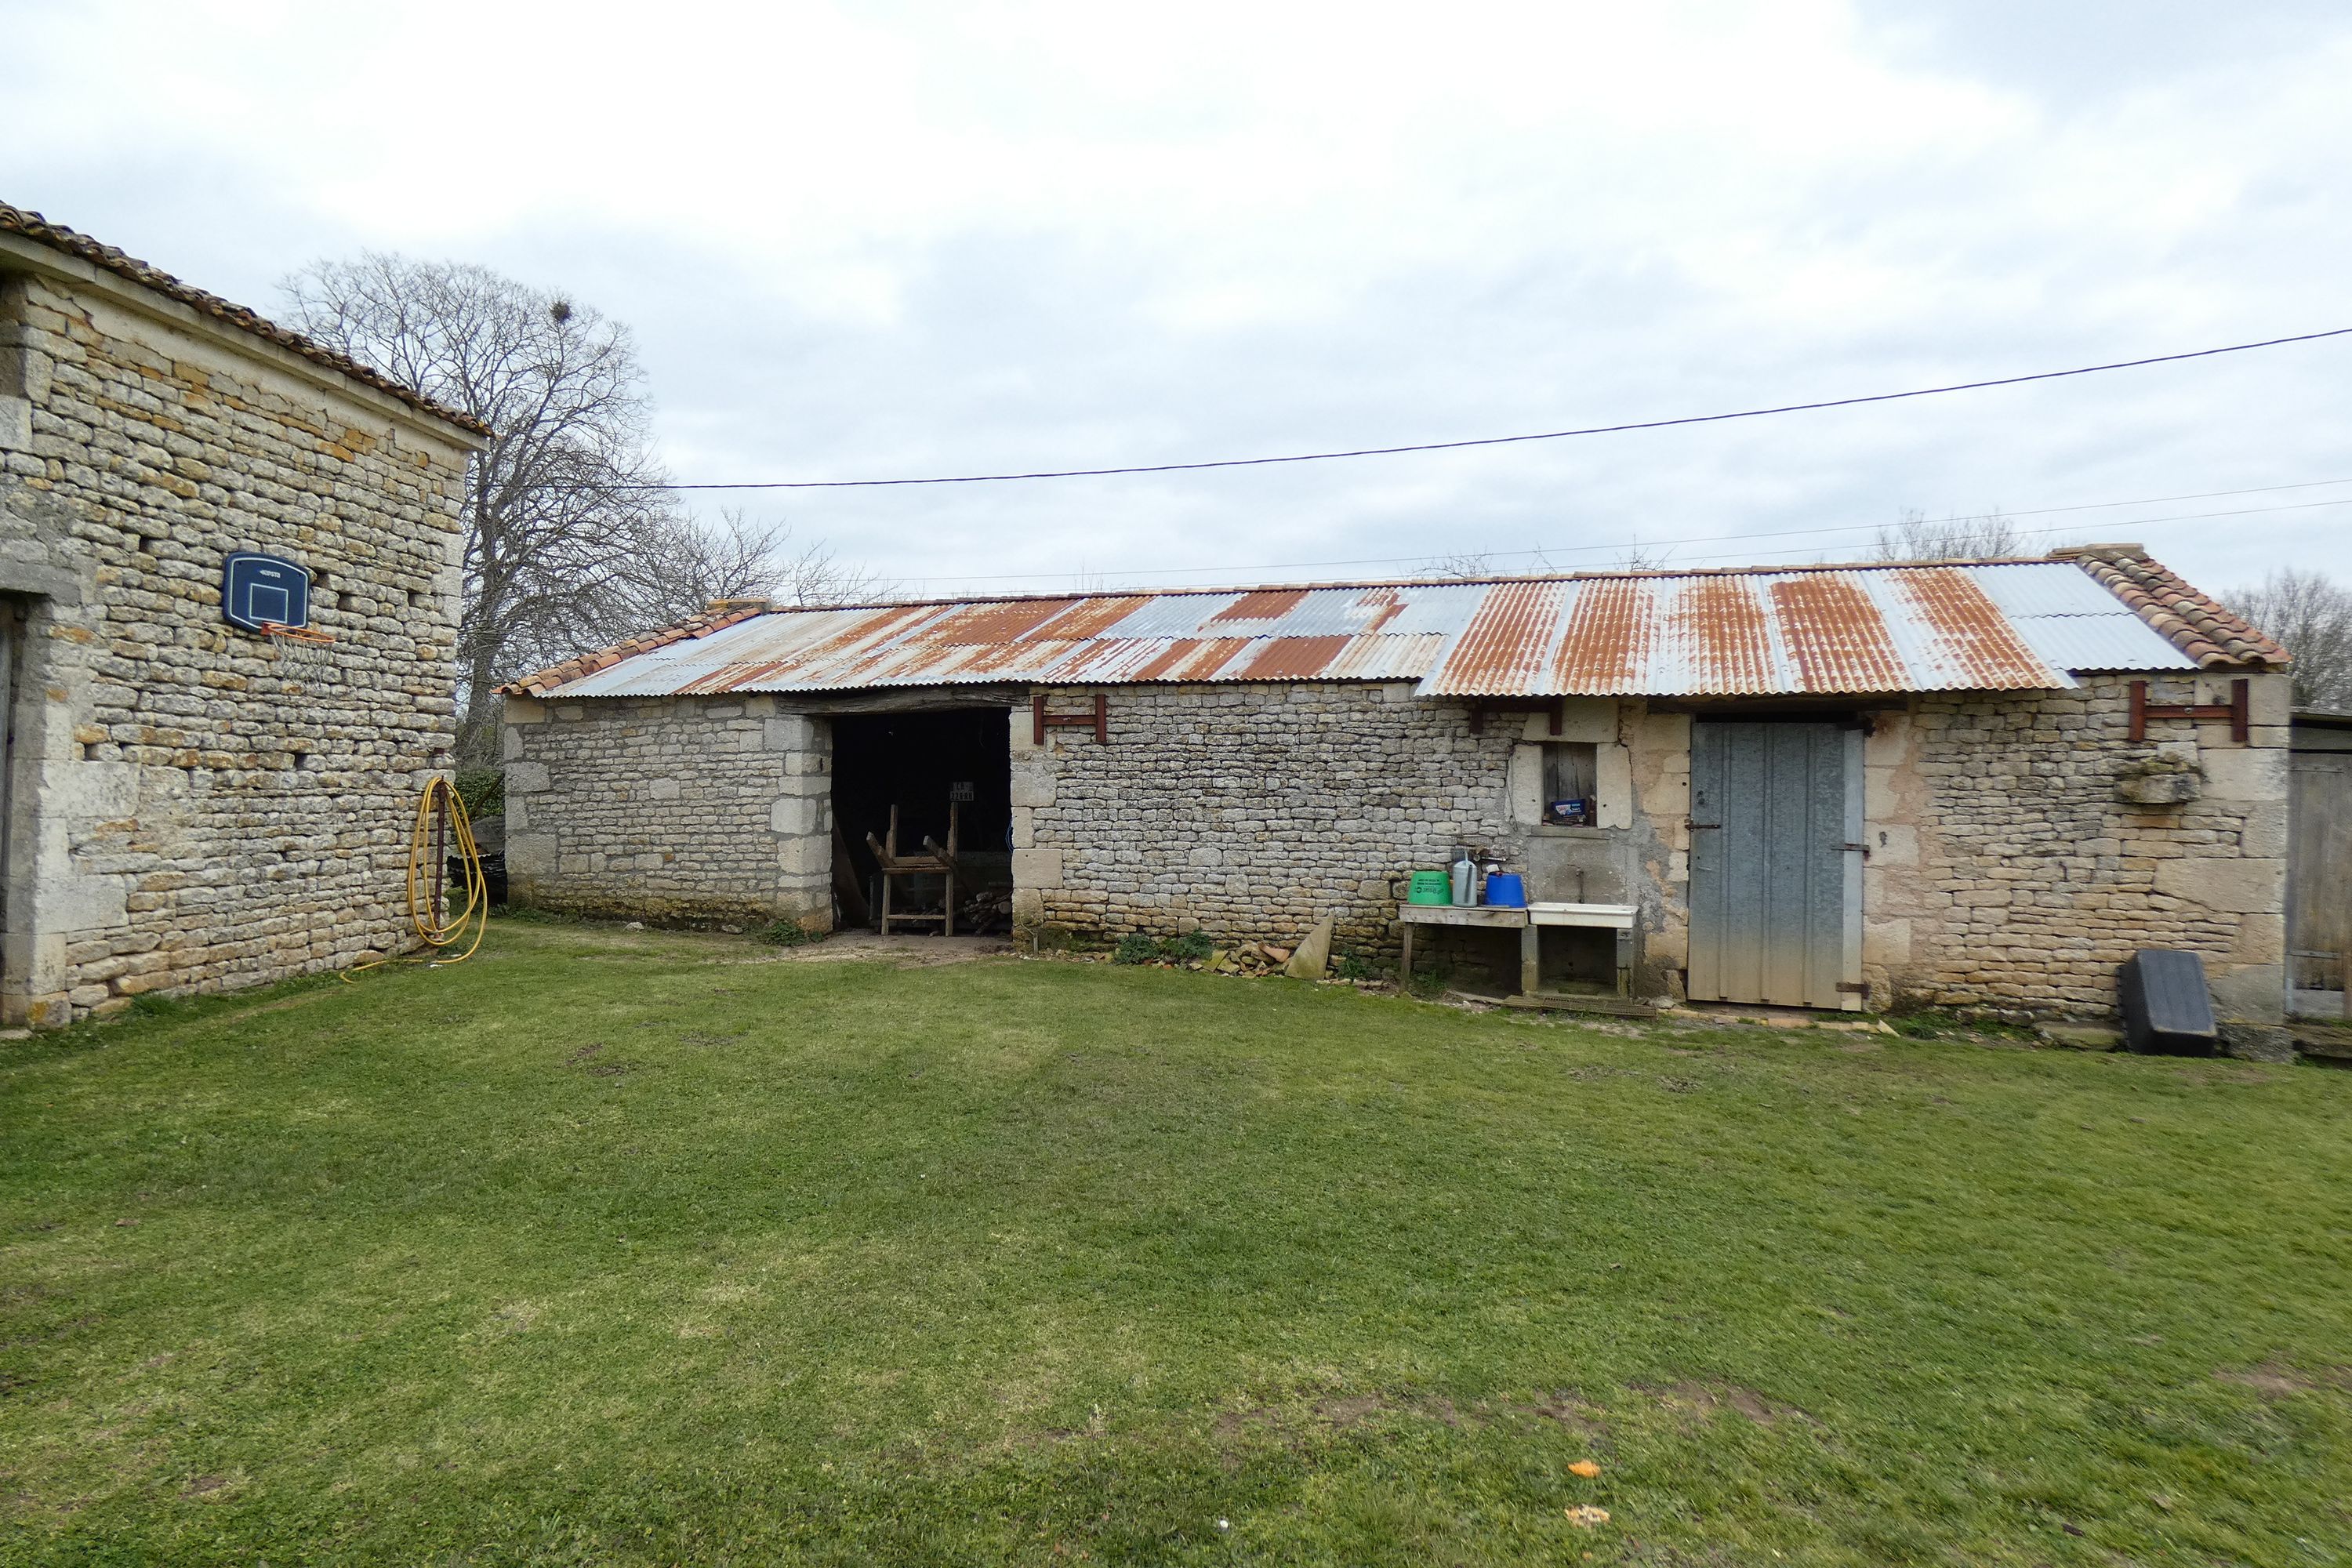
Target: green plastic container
[1430, 888]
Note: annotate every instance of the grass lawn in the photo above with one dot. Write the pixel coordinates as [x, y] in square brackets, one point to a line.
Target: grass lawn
[624, 1248]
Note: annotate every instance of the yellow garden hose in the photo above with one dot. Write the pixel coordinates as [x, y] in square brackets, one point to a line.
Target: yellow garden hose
[441, 828]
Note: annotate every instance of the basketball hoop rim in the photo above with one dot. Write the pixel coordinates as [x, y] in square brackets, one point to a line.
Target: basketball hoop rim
[311, 634]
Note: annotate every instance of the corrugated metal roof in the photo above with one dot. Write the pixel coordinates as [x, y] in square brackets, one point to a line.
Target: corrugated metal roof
[1846, 630]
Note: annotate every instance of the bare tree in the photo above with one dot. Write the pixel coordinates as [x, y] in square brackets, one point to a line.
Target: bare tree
[2311, 616]
[694, 563]
[1916, 538]
[567, 502]
[1460, 567]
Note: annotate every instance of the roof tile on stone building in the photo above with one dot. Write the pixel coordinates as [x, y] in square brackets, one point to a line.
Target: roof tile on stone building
[2195, 622]
[56, 236]
[1984, 626]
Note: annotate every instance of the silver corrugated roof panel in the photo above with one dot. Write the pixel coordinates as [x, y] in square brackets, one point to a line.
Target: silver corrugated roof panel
[1802, 630]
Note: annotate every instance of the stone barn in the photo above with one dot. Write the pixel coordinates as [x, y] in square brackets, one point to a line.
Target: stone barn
[1980, 783]
[228, 597]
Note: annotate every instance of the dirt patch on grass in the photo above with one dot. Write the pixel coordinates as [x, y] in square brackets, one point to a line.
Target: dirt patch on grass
[591, 1059]
[2276, 1380]
[1704, 1400]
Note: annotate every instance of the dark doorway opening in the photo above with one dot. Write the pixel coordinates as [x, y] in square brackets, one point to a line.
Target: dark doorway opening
[924, 763]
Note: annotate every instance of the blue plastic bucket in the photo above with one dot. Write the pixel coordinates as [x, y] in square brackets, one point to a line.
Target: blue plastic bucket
[1506, 890]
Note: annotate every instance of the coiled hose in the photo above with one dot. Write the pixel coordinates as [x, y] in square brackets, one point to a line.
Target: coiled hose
[441, 828]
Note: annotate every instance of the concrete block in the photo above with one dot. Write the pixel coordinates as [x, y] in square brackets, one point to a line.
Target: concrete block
[102, 790]
[1882, 795]
[792, 733]
[1885, 940]
[2245, 773]
[797, 816]
[1024, 827]
[2258, 1043]
[527, 778]
[2230, 887]
[1523, 784]
[1028, 907]
[1589, 720]
[1613, 783]
[1888, 744]
[2270, 698]
[1033, 782]
[1313, 955]
[510, 744]
[77, 903]
[1036, 868]
[35, 962]
[531, 854]
[1893, 846]
[2260, 939]
[806, 857]
[2253, 994]
[525, 710]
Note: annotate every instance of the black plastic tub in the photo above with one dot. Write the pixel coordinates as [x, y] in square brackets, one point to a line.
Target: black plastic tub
[2167, 1009]
[494, 876]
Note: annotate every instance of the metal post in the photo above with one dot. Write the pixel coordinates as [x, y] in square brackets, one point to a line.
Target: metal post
[440, 855]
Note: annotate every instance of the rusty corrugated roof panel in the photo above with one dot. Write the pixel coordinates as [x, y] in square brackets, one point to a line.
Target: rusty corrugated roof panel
[1800, 631]
[1821, 630]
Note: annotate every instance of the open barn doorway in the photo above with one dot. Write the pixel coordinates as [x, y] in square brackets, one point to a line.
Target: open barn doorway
[949, 769]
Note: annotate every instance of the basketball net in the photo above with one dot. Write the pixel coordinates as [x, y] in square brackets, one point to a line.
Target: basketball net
[305, 655]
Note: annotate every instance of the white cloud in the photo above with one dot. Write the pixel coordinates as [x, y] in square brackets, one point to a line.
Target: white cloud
[885, 239]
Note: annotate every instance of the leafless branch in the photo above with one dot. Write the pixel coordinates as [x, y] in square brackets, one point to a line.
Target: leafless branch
[2311, 615]
[1917, 538]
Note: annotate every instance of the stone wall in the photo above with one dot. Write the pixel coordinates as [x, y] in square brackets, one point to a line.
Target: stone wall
[1254, 811]
[689, 807]
[2006, 870]
[181, 816]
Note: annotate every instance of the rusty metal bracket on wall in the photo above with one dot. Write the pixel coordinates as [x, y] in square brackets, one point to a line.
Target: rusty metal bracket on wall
[1099, 720]
[2238, 711]
[1553, 705]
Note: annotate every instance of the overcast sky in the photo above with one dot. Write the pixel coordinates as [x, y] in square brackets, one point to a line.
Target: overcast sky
[884, 239]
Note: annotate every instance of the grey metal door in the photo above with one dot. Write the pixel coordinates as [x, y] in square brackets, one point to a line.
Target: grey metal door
[1776, 864]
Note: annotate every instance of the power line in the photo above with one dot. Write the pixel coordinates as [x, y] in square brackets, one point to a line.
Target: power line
[1557, 550]
[2062, 528]
[1503, 440]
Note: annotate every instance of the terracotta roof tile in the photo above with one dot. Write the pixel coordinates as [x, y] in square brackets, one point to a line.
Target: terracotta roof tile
[56, 236]
[2197, 625]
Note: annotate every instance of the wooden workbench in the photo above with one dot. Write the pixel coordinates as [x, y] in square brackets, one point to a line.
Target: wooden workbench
[1530, 923]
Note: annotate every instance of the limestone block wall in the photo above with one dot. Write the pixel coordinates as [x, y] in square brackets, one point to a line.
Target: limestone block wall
[684, 807]
[1254, 811]
[2005, 870]
[181, 816]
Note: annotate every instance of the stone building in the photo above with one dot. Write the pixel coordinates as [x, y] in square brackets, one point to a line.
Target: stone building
[1981, 783]
[184, 810]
